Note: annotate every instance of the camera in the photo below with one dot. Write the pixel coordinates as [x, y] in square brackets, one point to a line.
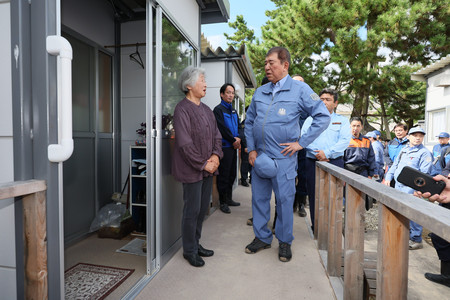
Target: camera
[419, 181]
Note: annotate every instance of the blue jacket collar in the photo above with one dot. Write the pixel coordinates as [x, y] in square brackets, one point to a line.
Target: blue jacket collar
[267, 88]
[226, 104]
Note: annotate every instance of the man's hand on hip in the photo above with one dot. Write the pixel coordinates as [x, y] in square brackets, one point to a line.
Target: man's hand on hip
[291, 148]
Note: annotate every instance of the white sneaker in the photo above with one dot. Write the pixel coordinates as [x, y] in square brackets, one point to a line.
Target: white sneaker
[415, 245]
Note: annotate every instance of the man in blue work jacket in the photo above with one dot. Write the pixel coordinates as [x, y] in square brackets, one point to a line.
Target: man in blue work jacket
[272, 131]
[378, 149]
[228, 124]
[329, 146]
[393, 147]
[437, 149]
[416, 156]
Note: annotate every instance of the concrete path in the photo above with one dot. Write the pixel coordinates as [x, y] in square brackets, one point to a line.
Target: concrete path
[233, 274]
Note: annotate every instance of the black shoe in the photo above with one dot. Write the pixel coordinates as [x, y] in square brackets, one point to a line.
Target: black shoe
[229, 200]
[233, 203]
[224, 208]
[244, 182]
[438, 278]
[302, 211]
[250, 222]
[284, 252]
[194, 259]
[255, 246]
[204, 252]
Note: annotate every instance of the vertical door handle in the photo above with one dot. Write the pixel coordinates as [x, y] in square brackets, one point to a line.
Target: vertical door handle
[59, 46]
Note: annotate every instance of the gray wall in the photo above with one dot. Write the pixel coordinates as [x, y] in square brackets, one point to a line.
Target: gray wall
[133, 90]
[8, 249]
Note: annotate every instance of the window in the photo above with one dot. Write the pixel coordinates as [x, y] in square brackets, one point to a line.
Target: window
[436, 119]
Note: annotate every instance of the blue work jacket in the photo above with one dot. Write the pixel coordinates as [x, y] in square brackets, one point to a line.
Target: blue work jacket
[393, 148]
[227, 122]
[274, 119]
[379, 157]
[437, 151]
[417, 157]
[333, 141]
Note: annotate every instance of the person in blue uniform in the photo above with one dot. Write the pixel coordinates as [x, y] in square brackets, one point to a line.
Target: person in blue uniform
[378, 149]
[444, 161]
[442, 246]
[393, 147]
[437, 149]
[416, 156]
[272, 131]
[228, 124]
[329, 146]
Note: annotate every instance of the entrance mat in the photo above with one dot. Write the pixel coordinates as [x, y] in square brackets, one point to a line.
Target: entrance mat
[136, 247]
[86, 281]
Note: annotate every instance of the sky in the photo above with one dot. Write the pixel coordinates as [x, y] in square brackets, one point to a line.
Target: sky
[253, 12]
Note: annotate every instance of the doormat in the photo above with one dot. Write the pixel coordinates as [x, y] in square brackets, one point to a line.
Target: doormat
[86, 281]
[136, 247]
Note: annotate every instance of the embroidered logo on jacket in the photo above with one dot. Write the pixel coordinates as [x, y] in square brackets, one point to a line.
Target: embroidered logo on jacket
[315, 97]
[282, 112]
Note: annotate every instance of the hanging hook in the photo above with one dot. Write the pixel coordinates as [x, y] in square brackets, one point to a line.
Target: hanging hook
[136, 57]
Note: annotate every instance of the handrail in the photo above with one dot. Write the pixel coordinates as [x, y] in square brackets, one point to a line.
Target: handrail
[19, 188]
[394, 212]
[33, 193]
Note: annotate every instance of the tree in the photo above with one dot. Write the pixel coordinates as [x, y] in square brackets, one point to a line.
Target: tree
[242, 35]
[346, 43]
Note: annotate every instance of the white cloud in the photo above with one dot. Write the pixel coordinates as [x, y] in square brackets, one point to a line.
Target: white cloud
[217, 41]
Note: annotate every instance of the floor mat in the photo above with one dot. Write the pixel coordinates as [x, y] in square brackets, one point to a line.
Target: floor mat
[86, 281]
[134, 247]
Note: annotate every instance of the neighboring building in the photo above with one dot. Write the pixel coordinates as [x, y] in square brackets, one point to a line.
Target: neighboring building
[227, 66]
[117, 83]
[230, 66]
[437, 105]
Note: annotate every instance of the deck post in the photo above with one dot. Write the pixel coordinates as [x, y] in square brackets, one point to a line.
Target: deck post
[354, 244]
[334, 257]
[324, 199]
[317, 202]
[392, 260]
[35, 234]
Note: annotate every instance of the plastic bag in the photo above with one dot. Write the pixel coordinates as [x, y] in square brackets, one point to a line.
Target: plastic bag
[109, 215]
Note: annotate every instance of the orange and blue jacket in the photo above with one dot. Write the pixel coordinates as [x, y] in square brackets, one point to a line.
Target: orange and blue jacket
[360, 153]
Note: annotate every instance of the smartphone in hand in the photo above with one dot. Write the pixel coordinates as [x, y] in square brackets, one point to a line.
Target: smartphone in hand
[419, 181]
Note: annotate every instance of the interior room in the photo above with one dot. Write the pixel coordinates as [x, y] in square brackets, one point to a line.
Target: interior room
[120, 96]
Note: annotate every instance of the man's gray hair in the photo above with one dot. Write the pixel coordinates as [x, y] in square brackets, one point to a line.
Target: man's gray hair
[189, 76]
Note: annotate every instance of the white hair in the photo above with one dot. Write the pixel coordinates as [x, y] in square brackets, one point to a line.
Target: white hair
[189, 77]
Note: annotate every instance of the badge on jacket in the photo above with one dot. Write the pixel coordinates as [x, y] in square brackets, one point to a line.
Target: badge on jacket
[282, 112]
[315, 97]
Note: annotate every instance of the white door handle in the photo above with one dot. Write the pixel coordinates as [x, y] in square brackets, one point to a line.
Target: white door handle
[59, 46]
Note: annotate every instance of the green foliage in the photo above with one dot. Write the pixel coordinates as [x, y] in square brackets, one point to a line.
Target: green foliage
[365, 49]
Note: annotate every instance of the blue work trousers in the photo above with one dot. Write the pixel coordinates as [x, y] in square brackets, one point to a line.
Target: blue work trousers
[415, 232]
[283, 185]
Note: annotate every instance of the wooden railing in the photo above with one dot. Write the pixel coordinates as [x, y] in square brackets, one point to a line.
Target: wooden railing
[33, 193]
[395, 209]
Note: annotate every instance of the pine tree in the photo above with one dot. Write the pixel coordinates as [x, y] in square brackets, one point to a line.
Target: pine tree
[357, 46]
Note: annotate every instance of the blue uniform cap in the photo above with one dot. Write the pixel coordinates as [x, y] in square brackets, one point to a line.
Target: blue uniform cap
[371, 134]
[416, 129]
[376, 132]
[265, 167]
[443, 135]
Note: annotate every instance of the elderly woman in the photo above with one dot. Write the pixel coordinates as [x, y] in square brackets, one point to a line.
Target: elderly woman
[197, 151]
